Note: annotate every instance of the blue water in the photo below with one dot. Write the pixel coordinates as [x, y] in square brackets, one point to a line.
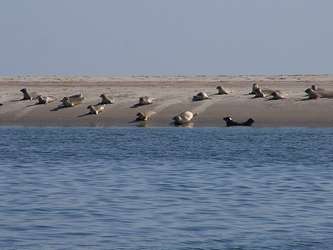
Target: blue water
[167, 188]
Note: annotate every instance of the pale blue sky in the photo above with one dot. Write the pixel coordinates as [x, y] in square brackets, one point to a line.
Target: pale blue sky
[125, 37]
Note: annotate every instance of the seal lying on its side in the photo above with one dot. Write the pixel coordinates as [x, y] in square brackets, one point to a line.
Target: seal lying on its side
[106, 99]
[184, 118]
[144, 116]
[95, 109]
[276, 95]
[27, 95]
[230, 123]
[200, 96]
[45, 99]
[73, 100]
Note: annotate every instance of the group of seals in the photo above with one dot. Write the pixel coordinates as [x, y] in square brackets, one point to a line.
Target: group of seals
[314, 92]
[262, 93]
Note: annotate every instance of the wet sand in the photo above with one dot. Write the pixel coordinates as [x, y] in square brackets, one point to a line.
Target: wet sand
[173, 95]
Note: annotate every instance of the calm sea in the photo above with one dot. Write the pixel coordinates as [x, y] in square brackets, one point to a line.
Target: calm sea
[166, 188]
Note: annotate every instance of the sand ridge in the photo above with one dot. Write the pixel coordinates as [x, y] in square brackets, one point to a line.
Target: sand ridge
[173, 95]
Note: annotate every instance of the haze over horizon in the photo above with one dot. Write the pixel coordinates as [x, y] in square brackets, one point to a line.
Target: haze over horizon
[155, 37]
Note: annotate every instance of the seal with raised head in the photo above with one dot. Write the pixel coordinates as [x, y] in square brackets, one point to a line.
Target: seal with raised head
[231, 123]
[184, 117]
[27, 95]
[145, 100]
[106, 99]
[95, 109]
[321, 93]
[144, 116]
[255, 86]
[221, 90]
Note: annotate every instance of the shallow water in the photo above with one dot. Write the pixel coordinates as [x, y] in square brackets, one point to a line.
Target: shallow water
[166, 188]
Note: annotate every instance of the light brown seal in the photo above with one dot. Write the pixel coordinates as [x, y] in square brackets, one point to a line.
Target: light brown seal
[200, 96]
[45, 99]
[144, 116]
[184, 117]
[321, 93]
[73, 100]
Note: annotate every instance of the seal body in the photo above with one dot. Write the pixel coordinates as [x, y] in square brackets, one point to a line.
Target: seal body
[200, 96]
[73, 100]
[221, 90]
[144, 116]
[106, 99]
[184, 117]
[95, 109]
[231, 123]
[145, 100]
[27, 95]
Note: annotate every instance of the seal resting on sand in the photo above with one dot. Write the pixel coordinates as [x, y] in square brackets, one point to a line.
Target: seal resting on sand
[106, 99]
[27, 95]
[184, 117]
[231, 123]
[276, 95]
[95, 109]
[261, 93]
[200, 96]
[44, 99]
[320, 93]
[144, 116]
[221, 90]
[73, 100]
[255, 86]
[145, 100]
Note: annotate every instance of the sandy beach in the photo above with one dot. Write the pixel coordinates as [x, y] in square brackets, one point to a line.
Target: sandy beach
[173, 94]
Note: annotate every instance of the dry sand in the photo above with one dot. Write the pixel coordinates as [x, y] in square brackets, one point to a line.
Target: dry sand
[173, 95]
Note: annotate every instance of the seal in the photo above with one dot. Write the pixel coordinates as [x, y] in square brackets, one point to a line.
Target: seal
[255, 86]
[221, 90]
[106, 99]
[95, 109]
[200, 96]
[144, 116]
[184, 117]
[321, 93]
[27, 95]
[231, 123]
[73, 100]
[276, 95]
[45, 99]
[145, 100]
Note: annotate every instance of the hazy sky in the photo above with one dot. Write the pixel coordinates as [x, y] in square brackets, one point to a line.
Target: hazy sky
[124, 37]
